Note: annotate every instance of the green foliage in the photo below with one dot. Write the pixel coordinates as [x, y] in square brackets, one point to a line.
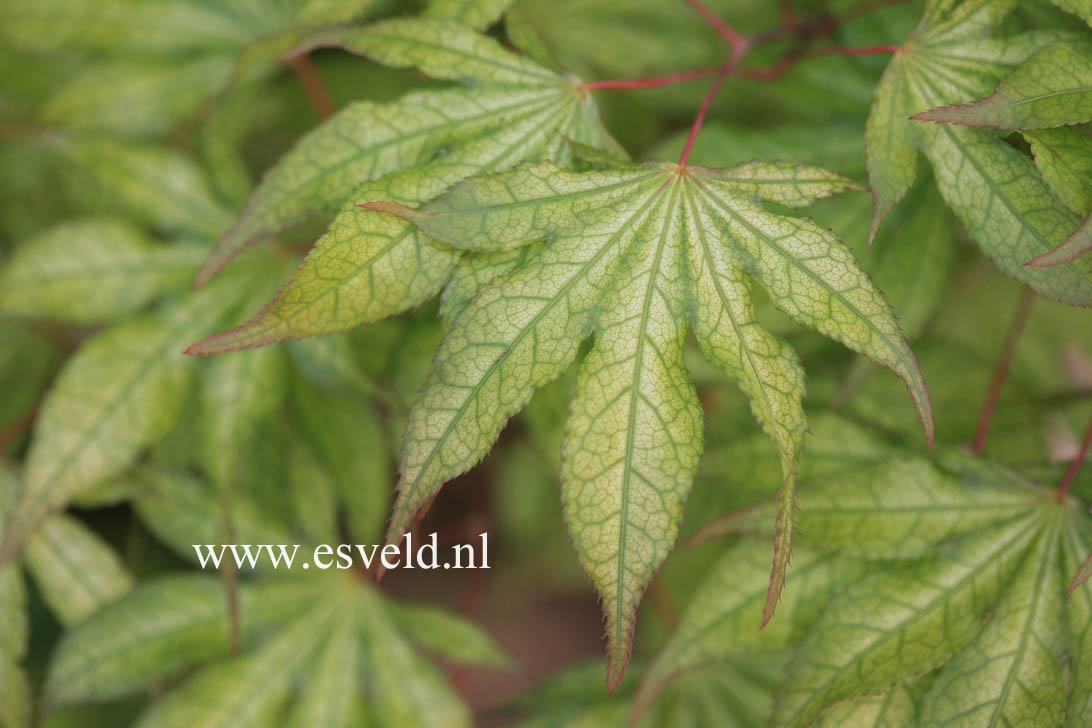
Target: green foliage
[628, 248]
[1006, 207]
[1049, 89]
[532, 261]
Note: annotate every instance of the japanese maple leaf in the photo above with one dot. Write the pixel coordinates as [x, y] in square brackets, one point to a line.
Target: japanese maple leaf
[634, 256]
[1006, 206]
[932, 591]
[368, 266]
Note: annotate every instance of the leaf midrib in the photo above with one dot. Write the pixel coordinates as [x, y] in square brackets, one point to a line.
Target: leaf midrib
[394, 241]
[909, 365]
[635, 385]
[365, 152]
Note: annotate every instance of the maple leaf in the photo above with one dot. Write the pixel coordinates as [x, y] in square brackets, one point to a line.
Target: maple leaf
[369, 266]
[1077, 7]
[960, 566]
[75, 572]
[635, 256]
[1051, 88]
[307, 642]
[992, 187]
[158, 63]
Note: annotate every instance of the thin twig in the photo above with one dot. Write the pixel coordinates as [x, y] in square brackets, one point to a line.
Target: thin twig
[788, 15]
[699, 120]
[777, 70]
[1071, 471]
[737, 40]
[1001, 371]
[311, 80]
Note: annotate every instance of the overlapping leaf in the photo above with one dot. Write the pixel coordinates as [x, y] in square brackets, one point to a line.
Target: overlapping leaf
[75, 572]
[966, 571]
[635, 255]
[1006, 207]
[321, 650]
[155, 64]
[987, 609]
[369, 266]
[1051, 88]
[92, 270]
[122, 392]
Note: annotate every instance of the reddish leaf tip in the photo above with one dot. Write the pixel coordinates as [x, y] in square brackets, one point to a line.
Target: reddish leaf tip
[392, 208]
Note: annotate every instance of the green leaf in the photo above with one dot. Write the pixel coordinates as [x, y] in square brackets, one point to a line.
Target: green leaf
[425, 701]
[370, 266]
[15, 697]
[92, 270]
[898, 508]
[120, 393]
[248, 691]
[476, 14]
[719, 621]
[331, 698]
[992, 187]
[897, 708]
[1064, 158]
[182, 510]
[898, 623]
[238, 392]
[156, 631]
[1011, 674]
[1076, 545]
[1077, 244]
[171, 26]
[448, 635]
[346, 437]
[139, 98]
[892, 151]
[153, 632]
[627, 249]
[911, 260]
[1077, 7]
[1052, 88]
[75, 571]
[151, 184]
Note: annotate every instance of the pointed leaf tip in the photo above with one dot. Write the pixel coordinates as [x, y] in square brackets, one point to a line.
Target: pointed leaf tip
[394, 208]
[1076, 245]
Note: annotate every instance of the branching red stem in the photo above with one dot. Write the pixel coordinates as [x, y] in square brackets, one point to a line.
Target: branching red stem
[737, 40]
[1071, 471]
[1001, 371]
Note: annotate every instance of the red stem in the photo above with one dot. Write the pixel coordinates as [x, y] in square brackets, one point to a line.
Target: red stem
[1001, 371]
[311, 80]
[788, 14]
[1071, 471]
[652, 82]
[776, 71]
[737, 40]
[695, 129]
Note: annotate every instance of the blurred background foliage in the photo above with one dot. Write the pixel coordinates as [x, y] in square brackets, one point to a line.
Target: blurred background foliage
[133, 130]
